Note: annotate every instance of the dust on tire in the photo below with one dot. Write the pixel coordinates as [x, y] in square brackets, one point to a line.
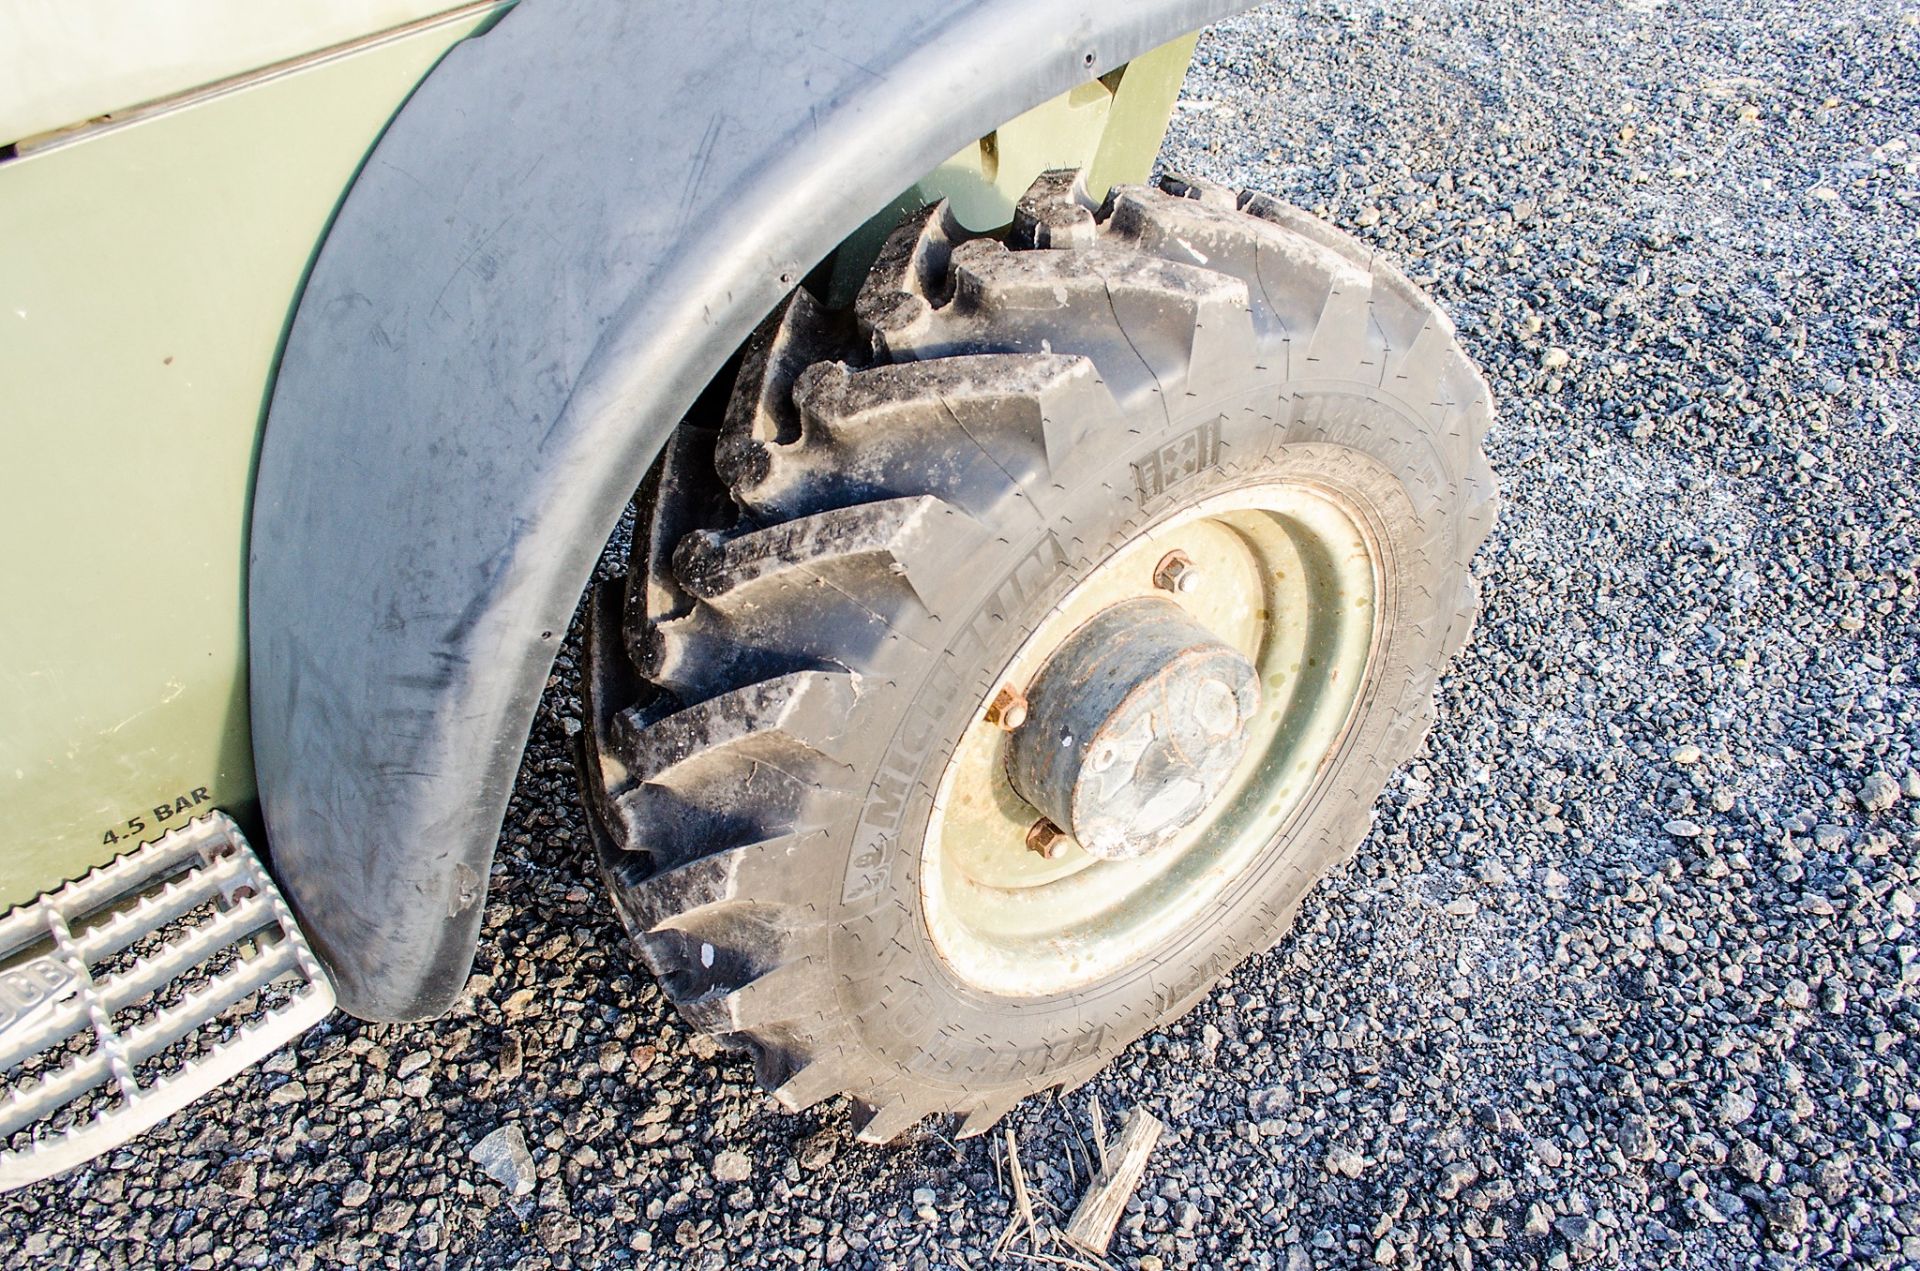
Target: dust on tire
[822, 587]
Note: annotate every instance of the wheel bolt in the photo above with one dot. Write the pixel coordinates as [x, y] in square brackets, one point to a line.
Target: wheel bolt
[1046, 838]
[1008, 709]
[1177, 573]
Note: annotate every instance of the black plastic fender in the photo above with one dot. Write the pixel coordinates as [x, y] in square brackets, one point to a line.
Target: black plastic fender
[559, 241]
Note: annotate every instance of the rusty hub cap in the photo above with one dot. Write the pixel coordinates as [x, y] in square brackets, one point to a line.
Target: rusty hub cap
[1135, 724]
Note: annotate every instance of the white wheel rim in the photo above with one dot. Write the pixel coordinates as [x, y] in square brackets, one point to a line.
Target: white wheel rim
[1293, 581]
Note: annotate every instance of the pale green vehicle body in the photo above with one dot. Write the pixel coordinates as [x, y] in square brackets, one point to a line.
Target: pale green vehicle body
[151, 269]
[153, 259]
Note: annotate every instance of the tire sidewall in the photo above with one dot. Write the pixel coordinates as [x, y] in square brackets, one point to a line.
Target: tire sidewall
[905, 1005]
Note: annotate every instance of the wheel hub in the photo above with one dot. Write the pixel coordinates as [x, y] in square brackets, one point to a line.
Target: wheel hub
[1134, 726]
[1145, 744]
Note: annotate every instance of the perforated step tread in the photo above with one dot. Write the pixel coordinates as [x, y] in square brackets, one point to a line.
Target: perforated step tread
[131, 992]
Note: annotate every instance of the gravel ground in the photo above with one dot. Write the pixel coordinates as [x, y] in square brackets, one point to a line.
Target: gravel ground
[1626, 973]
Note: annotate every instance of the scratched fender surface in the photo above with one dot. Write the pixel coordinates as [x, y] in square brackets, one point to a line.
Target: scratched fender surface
[561, 238]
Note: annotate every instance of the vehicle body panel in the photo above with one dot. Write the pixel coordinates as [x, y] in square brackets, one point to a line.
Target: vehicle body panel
[151, 272]
[532, 279]
[64, 62]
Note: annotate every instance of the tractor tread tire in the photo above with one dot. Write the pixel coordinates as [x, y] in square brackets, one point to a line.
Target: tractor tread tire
[793, 565]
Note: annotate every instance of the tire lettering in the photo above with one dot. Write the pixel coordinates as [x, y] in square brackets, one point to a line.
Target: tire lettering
[879, 830]
[1178, 460]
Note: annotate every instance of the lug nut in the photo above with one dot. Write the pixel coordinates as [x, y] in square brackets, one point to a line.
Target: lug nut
[1177, 573]
[1046, 839]
[1008, 709]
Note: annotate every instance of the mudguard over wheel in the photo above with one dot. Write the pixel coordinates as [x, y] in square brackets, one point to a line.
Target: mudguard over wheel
[1026, 642]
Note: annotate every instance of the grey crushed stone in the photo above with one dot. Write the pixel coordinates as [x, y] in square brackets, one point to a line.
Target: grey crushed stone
[504, 1158]
[1677, 1023]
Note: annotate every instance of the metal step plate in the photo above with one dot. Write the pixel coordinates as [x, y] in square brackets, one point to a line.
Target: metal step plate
[130, 993]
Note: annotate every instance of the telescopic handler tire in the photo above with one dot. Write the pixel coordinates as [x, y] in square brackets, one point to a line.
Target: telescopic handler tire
[1028, 640]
